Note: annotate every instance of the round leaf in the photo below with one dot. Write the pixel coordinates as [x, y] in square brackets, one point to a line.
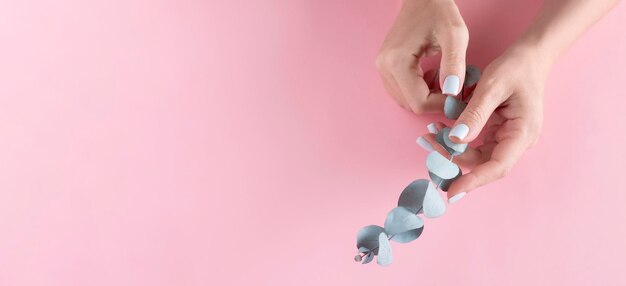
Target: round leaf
[403, 225]
[367, 238]
[443, 138]
[384, 250]
[412, 197]
[433, 204]
[453, 107]
[441, 166]
[472, 75]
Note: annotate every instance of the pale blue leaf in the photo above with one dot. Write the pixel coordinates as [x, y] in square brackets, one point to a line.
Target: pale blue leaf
[402, 225]
[384, 250]
[441, 171]
[441, 166]
[433, 203]
[453, 107]
[443, 138]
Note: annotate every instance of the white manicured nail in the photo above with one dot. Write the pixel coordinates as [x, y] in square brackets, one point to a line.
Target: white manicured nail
[451, 85]
[432, 128]
[456, 197]
[459, 131]
[424, 144]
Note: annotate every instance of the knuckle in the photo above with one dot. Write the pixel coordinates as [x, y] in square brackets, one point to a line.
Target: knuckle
[454, 59]
[490, 84]
[534, 135]
[532, 132]
[491, 90]
[533, 143]
[417, 109]
[460, 31]
[456, 31]
[473, 115]
[387, 60]
[503, 171]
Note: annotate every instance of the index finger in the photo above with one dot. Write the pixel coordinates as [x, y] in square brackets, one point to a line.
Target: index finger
[505, 154]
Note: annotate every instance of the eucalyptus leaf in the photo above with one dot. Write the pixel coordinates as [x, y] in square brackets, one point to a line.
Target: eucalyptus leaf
[412, 197]
[442, 171]
[433, 203]
[368, 258]
[443, 138]
[367, 238]
[444, 184]
[472, 75]
[452, 107]
[441, 166]
[384, 250]
[403, 225]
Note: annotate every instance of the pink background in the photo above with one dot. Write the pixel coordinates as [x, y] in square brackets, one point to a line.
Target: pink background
[245, 143]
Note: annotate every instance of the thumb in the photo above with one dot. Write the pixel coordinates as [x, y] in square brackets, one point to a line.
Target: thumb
[472, 120]
[452, 67]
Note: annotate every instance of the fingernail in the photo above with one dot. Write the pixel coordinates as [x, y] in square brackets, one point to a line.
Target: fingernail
[456, 197]
[459, 131]
[451, 85]
[432, 128]
[424, 144]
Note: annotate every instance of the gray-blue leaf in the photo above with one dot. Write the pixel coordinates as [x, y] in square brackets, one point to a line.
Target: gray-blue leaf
[441, 166]
[443, 138]
[403, 225]
[472, 75]
[413, 195]
[443, 184]
[367, 238]
[452, 107]
[368, 258]
[442, 172]
[384, 250]
[433, 204]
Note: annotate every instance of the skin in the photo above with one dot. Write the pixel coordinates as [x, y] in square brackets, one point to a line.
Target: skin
[507, 104]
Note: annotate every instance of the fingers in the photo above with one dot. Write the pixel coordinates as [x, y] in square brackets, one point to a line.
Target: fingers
[394, 91]
[453, 44]
[469, 159]
[404, 81]
[505, 154]
[486, 99]
[415, 89]
[435, 127]
[417, 94]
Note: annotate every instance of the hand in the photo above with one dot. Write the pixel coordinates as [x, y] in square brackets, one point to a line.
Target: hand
[510, 92]
[424, 28]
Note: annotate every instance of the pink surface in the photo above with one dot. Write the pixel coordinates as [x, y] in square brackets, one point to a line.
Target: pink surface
[245, 143]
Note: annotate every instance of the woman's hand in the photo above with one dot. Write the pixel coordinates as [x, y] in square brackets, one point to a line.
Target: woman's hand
[510, 92]
[424, 28]
[507, 107]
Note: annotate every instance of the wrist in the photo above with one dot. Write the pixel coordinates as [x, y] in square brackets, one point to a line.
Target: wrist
[534, 51]
[536, 46]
